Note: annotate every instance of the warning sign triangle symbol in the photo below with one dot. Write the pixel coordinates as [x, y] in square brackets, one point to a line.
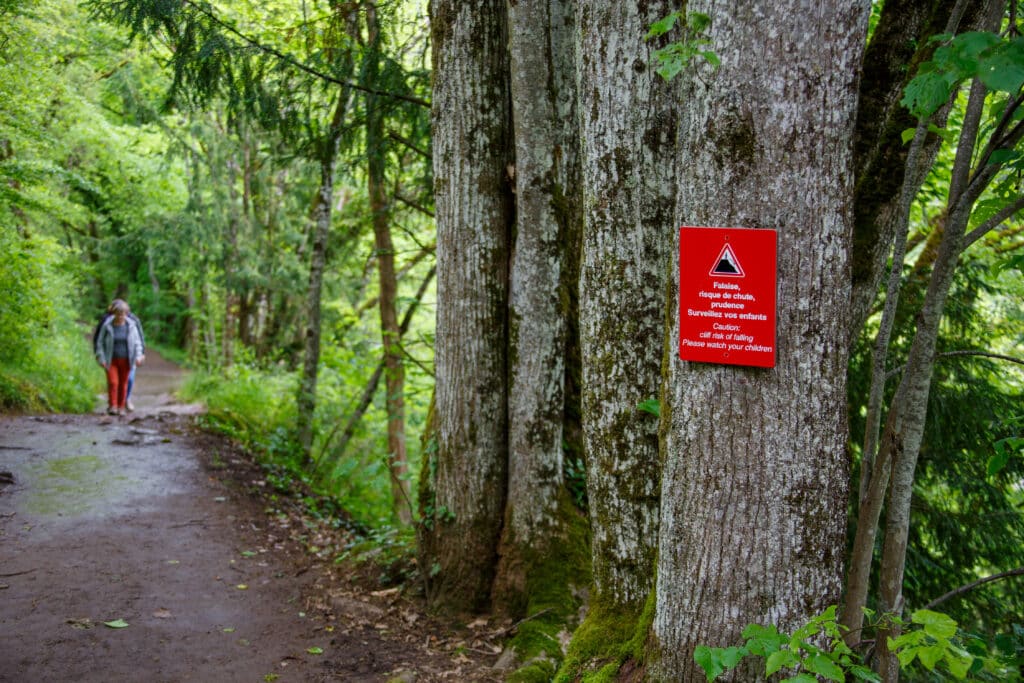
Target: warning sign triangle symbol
[727, 264]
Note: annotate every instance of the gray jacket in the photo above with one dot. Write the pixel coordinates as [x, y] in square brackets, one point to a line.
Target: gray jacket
[105, 342]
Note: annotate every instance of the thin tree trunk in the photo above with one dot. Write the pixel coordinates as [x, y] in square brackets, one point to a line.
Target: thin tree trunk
[628, 123]
[463, 491]
[321, 219]
[901, 440]
[394, 370]
[874, 475]
[755, 480]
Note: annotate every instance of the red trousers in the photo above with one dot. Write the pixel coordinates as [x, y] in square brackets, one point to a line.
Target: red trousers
[117, 382]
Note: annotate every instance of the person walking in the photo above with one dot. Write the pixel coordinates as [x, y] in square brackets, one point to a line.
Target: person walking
[107, 315]
[118, 349]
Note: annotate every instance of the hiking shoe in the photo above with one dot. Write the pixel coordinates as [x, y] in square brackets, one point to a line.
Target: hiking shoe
[111, 410]
[129, 407]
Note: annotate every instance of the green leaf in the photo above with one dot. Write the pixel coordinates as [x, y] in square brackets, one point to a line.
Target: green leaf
[959, 662]
[662, 26]
[697, 22]
[907, 135]
[651, 406]
[931, 655]
[315, 650]
[782, 659]
[935, 624]
[707, 658]
[1002, 68]
[116, 623]
[906, 656]
[1001, 156]
[731, 656]
[763, 640]
[823, 666]
[925, 93]
[997, 462]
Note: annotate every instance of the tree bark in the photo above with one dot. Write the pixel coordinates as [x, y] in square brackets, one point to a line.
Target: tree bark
[755, 478]
[628, 119]
[542, 83]
[464, 487]
[899, 44]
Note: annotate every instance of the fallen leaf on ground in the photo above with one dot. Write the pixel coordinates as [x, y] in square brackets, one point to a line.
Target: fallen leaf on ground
[116, 623]
[162, 613]
[80, 623]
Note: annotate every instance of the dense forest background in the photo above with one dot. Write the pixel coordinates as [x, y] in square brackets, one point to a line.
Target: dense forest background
[257, 181]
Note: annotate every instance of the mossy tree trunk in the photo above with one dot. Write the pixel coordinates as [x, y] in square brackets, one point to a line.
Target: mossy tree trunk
[628, 118]
[898, 44]
[546, 244]
[755, 478]
[463, 494]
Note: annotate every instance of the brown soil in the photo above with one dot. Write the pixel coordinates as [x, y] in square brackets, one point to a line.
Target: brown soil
[147, 521]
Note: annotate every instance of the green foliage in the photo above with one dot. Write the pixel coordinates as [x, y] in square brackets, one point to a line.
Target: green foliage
[935, 643]
[814, 650]
[998, 62]
[673, 57]
[45, 363]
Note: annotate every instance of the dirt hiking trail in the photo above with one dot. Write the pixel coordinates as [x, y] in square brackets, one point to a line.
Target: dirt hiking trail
[141, 549]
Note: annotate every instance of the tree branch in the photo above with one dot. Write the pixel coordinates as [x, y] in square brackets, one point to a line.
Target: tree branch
[288, 59]
[965, 352]
[406, 142]
[1019, 571]
[414, 205]
[992, 223]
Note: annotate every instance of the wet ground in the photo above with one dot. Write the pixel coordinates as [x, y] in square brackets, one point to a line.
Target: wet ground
[133, 549]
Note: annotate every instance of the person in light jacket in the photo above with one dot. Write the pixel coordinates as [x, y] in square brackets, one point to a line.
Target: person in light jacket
[118, 350]
[108, 315]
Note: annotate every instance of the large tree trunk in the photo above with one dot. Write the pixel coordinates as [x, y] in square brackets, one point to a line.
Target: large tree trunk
[546, 244]
[755, 476]
[898, 44]
[464, 487]
[628, 127]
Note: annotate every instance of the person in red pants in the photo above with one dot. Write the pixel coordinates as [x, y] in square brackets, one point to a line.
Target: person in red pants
[118, 350]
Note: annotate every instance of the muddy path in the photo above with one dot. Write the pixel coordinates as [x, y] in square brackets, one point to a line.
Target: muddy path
[138, 549]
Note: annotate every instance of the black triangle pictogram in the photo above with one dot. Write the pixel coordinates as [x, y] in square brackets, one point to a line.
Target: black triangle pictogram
[727, 264]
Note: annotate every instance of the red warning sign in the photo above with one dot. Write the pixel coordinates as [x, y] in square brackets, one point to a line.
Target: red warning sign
[727, 296]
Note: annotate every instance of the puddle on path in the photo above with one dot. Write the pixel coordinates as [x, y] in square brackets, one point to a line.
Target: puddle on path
[73, 485]
[91, 470]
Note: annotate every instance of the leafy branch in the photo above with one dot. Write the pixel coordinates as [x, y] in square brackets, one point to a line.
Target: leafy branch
[675, 56]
